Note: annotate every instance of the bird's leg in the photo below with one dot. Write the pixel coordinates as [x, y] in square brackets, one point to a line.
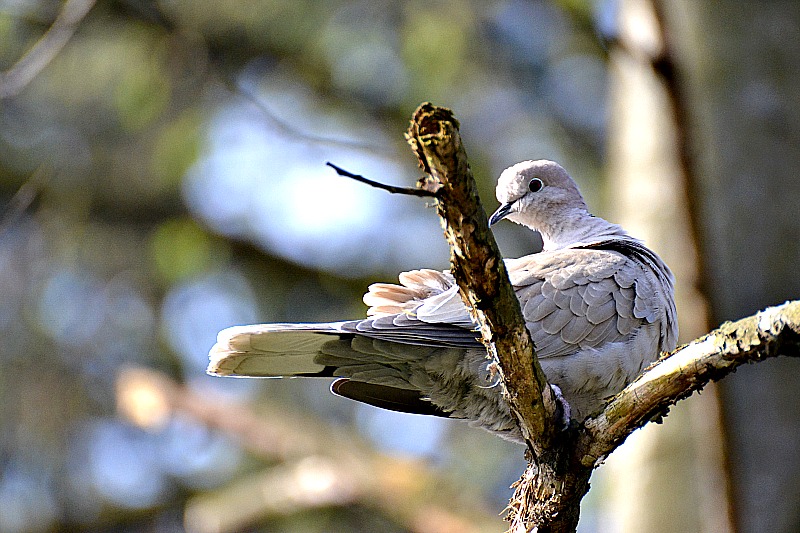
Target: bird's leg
[563, 410]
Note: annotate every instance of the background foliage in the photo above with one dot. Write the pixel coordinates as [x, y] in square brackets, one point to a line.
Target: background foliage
[164, 178]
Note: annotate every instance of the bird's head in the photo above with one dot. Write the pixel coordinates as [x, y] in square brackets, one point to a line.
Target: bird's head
[536, 194]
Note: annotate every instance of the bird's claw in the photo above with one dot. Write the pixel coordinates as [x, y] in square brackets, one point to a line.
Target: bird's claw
[563, 411]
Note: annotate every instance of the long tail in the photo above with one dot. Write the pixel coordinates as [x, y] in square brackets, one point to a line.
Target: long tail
[285, 350]
[272, 350]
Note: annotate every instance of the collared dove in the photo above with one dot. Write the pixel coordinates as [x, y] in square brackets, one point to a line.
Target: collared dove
[597, 302]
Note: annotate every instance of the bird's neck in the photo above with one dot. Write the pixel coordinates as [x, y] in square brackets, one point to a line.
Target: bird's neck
[578, 227]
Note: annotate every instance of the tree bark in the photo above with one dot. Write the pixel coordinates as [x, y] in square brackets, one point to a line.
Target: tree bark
[678, 465]
[480, 272]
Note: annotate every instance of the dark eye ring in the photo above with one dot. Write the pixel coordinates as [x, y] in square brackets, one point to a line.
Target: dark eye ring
[535, 185]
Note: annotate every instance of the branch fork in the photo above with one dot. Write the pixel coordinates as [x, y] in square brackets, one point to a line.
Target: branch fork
[547, 497]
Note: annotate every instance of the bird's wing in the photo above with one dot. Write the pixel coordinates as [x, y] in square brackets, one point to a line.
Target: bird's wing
[655, 302]
[428, 295]
[571, 299]
[576, 299]
[394, 359]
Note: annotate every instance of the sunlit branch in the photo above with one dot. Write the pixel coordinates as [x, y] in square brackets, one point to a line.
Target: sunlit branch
[772, 332]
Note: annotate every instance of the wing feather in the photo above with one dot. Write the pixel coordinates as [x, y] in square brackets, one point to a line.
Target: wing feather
[597, 314]
[588, 298]
[572, 299]
[575, 331]
[556, 321]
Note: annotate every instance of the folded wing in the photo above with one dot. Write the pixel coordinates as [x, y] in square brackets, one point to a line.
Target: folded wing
[419, 345]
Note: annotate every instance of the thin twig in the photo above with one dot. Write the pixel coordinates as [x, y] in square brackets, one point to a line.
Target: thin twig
[412, 191]
[23, 198]
[15, 79]
[291, 131]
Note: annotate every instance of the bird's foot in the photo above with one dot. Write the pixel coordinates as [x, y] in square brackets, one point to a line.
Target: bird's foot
[563, 411]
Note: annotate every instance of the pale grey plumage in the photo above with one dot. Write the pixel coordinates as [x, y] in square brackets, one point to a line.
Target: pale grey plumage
[598, 304]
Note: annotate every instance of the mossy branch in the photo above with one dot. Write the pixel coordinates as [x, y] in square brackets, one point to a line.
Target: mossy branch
[547, 497]
[774, 331]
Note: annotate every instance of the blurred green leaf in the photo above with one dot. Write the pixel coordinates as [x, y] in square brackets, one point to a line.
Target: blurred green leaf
[141, 95]
[182, 249]
[177, 146]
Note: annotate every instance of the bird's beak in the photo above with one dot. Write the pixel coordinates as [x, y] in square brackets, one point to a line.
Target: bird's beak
[502, 212]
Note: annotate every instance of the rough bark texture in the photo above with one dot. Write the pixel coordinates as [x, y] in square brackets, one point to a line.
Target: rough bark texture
[772, 332]
[479, 270]
[547, 497]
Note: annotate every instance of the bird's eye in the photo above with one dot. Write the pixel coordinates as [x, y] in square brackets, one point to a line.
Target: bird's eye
[535, 185]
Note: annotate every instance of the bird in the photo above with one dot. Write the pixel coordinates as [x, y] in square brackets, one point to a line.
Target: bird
[599, 306]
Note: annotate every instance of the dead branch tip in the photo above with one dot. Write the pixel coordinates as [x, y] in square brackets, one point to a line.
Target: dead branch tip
[411, 191]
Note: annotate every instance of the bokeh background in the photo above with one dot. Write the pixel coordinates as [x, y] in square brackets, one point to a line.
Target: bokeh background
[162, 176]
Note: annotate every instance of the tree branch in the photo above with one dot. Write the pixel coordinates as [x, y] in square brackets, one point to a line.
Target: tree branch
[292, 132]
[772, 332]
[769, 333]
[309, 465]
[480, 272]
[23, 198]
[390, 188]
[39, 56]
[547, 497]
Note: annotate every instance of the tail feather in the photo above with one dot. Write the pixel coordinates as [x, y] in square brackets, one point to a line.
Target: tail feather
[271, 350]
[397, 363]
[391, 398]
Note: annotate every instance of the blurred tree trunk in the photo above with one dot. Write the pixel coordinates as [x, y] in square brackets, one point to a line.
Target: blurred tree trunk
[667, 477]
[738, 66]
